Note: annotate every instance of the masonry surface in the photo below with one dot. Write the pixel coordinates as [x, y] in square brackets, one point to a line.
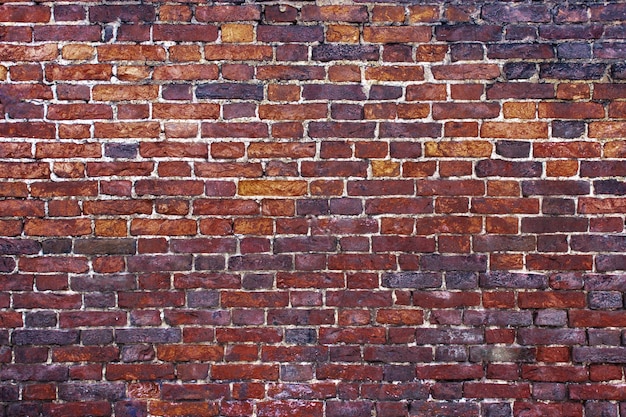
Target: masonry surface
[292, 209]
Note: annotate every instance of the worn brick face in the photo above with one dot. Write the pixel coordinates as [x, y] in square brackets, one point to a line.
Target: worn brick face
[364, 208]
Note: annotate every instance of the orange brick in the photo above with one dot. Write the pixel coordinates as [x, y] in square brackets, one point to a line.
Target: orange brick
[342, 33]
[385, 168]
[615, 149]
[272, 187]
[393, 14]
[342, 73]
[466, 148]
[527, 130]
[278, 92]
[573, 91]
[503, 188]
[519, 110]
[506, 261]
[566, 168]
[182, 227]
[78, 52]
[183, 53]
[133, 73]
[262, 226]
[418, 14]
[237, 33]
[111, 92]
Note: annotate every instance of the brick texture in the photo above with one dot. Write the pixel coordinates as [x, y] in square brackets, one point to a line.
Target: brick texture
[340, 208]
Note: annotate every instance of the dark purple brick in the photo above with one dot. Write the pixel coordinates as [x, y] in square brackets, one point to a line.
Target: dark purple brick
[410, 130]
[610, 262]
[442, 408]
[300, 336]
[177, 92]
[239, 91]
[411, 280]
[519, 70]
[497, 410]
[202, 299]
[547, 317]
[125, 13]
[494, 167]
[121, 150]
[555, 187]
[600, 408]
[92, 391]
[604, 337]
[210, 263]
[442, 335]
[573, 50]
[103, 246]
[618, 71]
[349, 408]
[7, 264]
[327, 53]
[571, 71]
[290, 33]
[137, 353]
[520, 32]
[453, 262]
[608, 12]
[554, 224]
[346, 206]
[611, 186]
[549, 391]
[466, 52]
[598, 355]
[19, 246]
[148, 335]
[459, 280]
[598, 243]
[557, 32]
[35, 372]
[305, 244]
[513, 280]
[385, 92]
[131, 409]
[602, 300]
[512, 13]
[609, 50]
[312, 207]
[468, 32]
[520, 51]
[45, 337]
[333, 92]
[534, 336]
[558, 206]
[41, 319]
[96, 337]
[260, 262]
[567, 129]
[57, 246]
[552, 243]
[257, 281]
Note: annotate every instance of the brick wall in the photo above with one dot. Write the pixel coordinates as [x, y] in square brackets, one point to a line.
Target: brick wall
[368, 209]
